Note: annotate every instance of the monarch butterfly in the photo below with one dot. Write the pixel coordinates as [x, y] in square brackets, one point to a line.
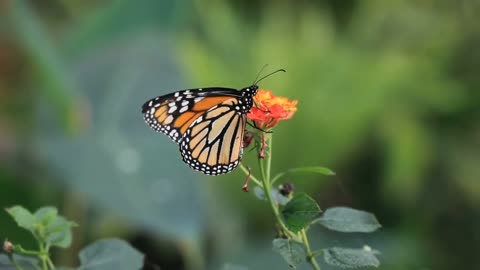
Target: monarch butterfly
[207, 123]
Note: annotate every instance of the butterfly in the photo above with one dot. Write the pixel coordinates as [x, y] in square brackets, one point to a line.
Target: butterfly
[208, 124]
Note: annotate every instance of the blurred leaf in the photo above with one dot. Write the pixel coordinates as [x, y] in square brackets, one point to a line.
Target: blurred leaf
[229, 266]
[259, 193]
[344, 219]
[276, 195]
[315, 169]
[27, 263]
[45, 215]
[59, 232]
[351, 258]
[110, 254]
[55, 82]
[22, 217]
[300, 211]
[293, 252]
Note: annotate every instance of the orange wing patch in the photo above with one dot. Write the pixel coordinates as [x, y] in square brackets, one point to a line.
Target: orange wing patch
[160, 114]
[209, 102]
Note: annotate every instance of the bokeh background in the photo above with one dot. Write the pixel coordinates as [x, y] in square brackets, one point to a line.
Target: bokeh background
[388, 98]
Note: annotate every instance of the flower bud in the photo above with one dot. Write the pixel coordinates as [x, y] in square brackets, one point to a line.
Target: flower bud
[7, 246]
[286, 189]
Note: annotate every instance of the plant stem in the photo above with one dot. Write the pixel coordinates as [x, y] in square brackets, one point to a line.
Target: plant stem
[20, 250]
[310, 256]
[267, 187]
[318, 252]
[43, 256]
[268, 141]
[14, 262]
[50, 263]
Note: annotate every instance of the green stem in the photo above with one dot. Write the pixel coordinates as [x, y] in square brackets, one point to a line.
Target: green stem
[268, 142]
[20, 250]
[317, 252]
[43, 256]
[14, 262]
[267, 187]
[50, 263]
[310, 256]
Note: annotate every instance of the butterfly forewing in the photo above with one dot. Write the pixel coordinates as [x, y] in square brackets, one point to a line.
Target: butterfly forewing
[172, 114]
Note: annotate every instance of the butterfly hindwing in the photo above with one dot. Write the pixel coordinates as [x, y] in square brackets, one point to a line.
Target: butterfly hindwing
[213, 143]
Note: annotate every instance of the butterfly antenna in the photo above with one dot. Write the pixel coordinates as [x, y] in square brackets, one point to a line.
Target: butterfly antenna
[260, 72]
[278, 70]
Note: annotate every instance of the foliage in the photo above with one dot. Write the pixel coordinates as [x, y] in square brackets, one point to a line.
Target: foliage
[52, 230]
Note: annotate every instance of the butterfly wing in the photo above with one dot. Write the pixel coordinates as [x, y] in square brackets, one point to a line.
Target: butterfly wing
[173, 113]
[212, 144]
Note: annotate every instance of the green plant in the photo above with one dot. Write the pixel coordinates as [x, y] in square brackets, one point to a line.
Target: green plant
[51, 230]
[296, 213]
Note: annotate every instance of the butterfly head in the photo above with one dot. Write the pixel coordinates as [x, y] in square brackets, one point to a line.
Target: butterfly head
[250, 91]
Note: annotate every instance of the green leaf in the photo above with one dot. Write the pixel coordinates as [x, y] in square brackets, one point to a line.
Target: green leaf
[59, 232]
[344, 219]
[293, 252]
[351, 258]
[110, 254]
[22, 217]
[45, 215]
[300, 211]
[313, 169]
[27, 263]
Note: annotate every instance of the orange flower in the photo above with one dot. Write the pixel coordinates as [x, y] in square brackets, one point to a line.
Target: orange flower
[271, 109]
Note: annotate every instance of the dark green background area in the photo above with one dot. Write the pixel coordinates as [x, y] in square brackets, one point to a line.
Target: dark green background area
[388, 97]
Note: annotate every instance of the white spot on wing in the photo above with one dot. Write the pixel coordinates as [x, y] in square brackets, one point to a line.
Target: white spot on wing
[168, 120]
[183, 109]
[172, 109]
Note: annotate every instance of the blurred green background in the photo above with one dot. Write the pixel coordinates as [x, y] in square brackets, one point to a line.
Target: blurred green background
[388, 98]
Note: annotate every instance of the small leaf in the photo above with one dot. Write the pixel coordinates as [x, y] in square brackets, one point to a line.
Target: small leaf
[300, 211]
[276, 196]
[22, 217]
[351, 258]
[114, 254]
[259, 193]
[45, 215]
[344, 219]
[293, 252]
[315, 169]
[27, 263]
[59, 233]
[279, 198]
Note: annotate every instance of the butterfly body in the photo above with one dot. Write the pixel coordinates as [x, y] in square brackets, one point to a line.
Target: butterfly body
[207, 123]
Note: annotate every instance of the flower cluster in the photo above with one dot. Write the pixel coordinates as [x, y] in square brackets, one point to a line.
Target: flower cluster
[270, 109]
